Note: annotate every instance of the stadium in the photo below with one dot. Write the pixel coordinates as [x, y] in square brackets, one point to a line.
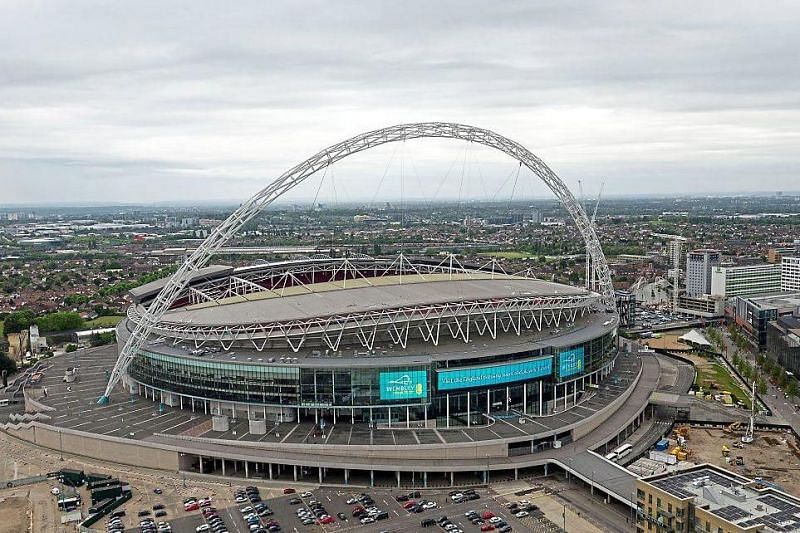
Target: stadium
[394, 343]
[354, 369]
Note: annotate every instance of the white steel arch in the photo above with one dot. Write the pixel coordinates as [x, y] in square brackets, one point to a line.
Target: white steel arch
[324, 158]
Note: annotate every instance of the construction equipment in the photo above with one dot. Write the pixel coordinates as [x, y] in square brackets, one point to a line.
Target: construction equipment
[679, 453]
[725, 451]
[682, 431]
[732, 427]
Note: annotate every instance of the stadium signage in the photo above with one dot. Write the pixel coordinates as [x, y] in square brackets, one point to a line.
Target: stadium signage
[570, 362]
[493, 375]
[408, 385]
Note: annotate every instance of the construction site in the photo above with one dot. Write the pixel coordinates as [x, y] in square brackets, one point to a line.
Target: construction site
[772, 457]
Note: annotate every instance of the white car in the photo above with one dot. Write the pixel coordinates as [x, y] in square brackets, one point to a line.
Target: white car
[246, 510]
[306, 495]
[495, 519]
[351, 501]
[450, 527]
[456, 497]
[367, 520]
[201, 528]
[430, 505]
[521, 514]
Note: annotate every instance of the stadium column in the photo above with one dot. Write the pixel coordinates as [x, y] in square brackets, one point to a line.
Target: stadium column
[201, 464]
[469, 418]
[295, 472]
[525, 398]
[425, 479]
[371, 478]
[398, 479]
[319, 469]
[447, 408]
[346, 476]
[223, 468]
[408, 417]
[452, 479]
[246, 469]
[541, 404]
[270, 470]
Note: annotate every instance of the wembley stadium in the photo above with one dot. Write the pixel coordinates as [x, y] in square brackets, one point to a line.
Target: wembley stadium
[412, 371]
[384, 342]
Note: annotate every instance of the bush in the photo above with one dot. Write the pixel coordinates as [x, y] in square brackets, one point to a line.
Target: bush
[62, 321]
[71, 348]
[6, 363]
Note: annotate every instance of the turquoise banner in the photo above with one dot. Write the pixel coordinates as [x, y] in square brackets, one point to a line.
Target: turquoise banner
[493, 375]
[409, 385]
[570, 362]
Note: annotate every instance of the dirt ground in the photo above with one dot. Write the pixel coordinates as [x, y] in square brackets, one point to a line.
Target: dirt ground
[14, 514]
[773, 456]
[668, 342]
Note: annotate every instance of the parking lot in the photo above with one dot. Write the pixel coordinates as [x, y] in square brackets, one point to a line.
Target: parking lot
[334, 500]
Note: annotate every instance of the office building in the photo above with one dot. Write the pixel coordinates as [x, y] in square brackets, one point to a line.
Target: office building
[783, 342]
[749, 280]
[790, 273]
[699, 264]
[753, 314]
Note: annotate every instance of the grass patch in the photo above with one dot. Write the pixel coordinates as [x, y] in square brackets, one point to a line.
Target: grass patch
[726, 382]
[104, 322]
[506, 254]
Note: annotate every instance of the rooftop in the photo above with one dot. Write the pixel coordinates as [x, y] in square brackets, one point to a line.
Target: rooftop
[780, 300]
[360, 296]
[732, 497]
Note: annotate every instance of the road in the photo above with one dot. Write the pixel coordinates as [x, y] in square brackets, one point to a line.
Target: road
[781, 407]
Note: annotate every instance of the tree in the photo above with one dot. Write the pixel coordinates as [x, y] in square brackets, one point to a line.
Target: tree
[791, 388]
[70, 348]
[18, 321]
[62, 321]
[762, 385]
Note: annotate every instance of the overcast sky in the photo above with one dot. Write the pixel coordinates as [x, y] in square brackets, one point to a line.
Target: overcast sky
[153, 100]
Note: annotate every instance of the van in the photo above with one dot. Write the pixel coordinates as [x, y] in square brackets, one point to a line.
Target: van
[428, 522]
[383, 515]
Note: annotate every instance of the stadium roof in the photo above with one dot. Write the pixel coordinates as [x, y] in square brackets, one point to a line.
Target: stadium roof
[270, 306]
[151, 289]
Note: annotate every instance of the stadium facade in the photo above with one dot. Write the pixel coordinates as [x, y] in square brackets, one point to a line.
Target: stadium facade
[387, 343]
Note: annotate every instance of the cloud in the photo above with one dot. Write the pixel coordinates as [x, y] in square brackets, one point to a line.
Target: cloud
[140, 100]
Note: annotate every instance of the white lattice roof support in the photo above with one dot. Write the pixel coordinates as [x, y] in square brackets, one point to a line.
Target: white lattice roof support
[222, 233]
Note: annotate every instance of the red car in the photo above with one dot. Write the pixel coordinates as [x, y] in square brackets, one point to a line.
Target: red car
[289, 490]
[193, 506]
[409, 504]
[486, 515]
[487, 527]
[327, 520]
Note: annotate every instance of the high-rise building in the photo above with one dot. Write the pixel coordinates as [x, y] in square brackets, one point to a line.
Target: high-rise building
[790, 273]
[699, 264]
[748, 280]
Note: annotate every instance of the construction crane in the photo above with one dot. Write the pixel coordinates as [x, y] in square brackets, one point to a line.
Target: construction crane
[677, 244]
[590, 273]
[748, 436]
